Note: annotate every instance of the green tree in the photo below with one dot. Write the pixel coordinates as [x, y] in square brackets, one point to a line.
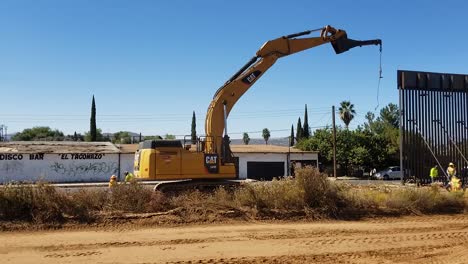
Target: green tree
[122, 137]
[41, 133]
[386, 128]
[370, 119]
[266, 135]
[347, 112]
[194, 129]
[355, 149]
[74, 137]
[246, 138]
[169, 136]
[390, 115]
[375, 144]
[99, 136]
[291, 137]
[92, 127]
[320, 141]
[299, 130]
[305, 127]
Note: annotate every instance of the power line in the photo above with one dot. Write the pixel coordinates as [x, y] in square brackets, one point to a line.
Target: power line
[291, 110]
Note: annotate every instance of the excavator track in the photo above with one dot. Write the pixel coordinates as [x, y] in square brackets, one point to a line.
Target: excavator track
[195, 184]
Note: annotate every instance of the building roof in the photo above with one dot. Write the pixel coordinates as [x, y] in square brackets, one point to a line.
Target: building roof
[266, 149]
[107, 147]
[57, 147]
[127, 148]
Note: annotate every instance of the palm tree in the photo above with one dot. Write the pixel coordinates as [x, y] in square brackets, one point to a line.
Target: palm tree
[347, 112]
[266, 135]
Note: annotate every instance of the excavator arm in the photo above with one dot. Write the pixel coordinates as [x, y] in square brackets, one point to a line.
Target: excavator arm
[228, 94]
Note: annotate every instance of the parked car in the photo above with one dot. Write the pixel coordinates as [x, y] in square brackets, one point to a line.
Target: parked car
[390, 173]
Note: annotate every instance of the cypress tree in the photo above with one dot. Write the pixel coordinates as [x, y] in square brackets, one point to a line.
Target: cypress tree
[246, 138]
[92, 128]
[299, 130]
[291, 138]
[305, 128]
[194, 129]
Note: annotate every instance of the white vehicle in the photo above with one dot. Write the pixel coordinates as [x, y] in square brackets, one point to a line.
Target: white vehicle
[390, 173]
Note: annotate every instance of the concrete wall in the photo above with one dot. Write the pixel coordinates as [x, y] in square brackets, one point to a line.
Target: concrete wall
[78, 167]
[69, 167]
[126, 163]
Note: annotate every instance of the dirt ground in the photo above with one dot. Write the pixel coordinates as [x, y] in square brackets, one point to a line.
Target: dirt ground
[415, 239]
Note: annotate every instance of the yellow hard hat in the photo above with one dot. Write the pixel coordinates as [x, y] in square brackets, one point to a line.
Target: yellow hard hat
[451, 164]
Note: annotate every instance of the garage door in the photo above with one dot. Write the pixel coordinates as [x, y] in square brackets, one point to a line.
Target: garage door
[264, 170]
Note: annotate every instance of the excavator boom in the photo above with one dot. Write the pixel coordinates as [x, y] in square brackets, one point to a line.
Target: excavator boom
[228, 94]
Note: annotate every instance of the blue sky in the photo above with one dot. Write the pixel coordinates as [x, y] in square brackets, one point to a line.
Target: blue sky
[151, 63]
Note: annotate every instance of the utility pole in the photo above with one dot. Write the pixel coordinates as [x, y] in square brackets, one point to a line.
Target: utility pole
[334, 143]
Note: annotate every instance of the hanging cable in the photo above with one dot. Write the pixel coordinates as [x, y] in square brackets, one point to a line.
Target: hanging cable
[380, 77]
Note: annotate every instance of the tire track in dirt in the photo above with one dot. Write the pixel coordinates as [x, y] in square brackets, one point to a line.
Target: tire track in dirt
[458, 218]
[123, 244]
[76, 254]
[407, 254]
[416, 240]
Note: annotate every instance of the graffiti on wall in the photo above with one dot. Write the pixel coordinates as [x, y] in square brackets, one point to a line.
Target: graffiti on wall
[12, 167]
[80, 169]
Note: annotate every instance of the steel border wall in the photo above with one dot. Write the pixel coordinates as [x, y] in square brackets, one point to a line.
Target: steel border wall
[433, 122]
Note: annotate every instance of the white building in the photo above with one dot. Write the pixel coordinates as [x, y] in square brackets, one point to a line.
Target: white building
[58, 161]
[62, 161]
[268, 161]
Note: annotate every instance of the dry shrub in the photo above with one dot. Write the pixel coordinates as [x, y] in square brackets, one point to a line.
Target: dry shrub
[84, 204]
[195, 206]
[424, 200]
[310, 194]
[321, 196]
[277, 194]
[131, 197]
[309, 191]
[159, 202]
[364, 199]
[38, 203]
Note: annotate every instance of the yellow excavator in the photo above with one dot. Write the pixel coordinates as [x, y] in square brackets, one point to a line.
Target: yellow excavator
[208, 161]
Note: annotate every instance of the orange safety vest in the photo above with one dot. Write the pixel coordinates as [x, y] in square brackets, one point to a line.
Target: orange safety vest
[455, 182]
[112, 183]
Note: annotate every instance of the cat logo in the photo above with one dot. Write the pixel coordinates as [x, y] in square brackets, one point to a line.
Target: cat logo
[211, 163]
[249, 79]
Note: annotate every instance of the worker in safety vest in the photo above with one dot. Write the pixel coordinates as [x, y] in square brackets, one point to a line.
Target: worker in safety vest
[434, 173]
[129, 177]
[113, 181]
[451, 171]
